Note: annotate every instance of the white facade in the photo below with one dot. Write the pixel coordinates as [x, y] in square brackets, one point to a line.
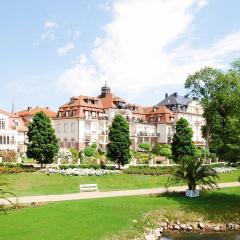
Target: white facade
[11, 138]
[193, 115]
[80, 132]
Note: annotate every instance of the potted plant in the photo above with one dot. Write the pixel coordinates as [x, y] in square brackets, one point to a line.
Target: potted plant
[191, 170]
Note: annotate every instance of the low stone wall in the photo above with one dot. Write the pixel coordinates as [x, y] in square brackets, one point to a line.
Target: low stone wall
[167, 226]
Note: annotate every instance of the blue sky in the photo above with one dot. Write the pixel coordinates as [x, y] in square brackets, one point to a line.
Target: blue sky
[51, 50]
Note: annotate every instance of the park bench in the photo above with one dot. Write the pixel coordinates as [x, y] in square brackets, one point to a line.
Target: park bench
[88, 188]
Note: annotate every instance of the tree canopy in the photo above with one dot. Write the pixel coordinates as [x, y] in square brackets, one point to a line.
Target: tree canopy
[219, 94]
[118, 148]
[42, 141]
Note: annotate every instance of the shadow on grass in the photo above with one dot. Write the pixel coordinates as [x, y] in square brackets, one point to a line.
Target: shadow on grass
[217, 205]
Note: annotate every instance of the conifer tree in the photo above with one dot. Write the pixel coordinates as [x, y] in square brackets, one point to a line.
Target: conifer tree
[43, 144]
[182, 144]
[118, 148]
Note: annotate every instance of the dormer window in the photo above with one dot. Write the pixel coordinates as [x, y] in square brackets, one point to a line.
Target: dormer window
[154, 109]
[120, 104]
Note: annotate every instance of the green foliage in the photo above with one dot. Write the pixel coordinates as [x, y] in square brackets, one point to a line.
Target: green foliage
[182, 144]
[166, 152]
[198, 153]
[4, 195]
[75, 153]
[15, 168]
[94, 145]
[89, 151]
[43, 143]
[157, 148]
[146, 170]
[192, 170]
[118, 149]
[219, 95]
[145, 146]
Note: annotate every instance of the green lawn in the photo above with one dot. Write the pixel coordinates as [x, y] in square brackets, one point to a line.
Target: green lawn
[100, 218]
[36, 183]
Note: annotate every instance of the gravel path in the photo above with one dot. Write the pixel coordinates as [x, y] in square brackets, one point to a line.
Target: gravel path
[91, 195]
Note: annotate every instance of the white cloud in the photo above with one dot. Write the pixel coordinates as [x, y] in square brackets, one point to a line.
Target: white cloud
[135, 56]
[77, 33]
[51, 24]
[65, 49]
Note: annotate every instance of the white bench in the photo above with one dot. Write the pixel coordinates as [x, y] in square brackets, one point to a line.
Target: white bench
[88, 188]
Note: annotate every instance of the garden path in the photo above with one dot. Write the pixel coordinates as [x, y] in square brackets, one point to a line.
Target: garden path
[91, 195]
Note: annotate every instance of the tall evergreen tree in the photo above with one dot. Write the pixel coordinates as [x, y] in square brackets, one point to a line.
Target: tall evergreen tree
[118, 148]
[182, 144]
[43, 144]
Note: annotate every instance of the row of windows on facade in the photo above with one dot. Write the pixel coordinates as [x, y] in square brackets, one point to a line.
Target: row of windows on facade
[7, 140]
[3, 123]
[73, 127]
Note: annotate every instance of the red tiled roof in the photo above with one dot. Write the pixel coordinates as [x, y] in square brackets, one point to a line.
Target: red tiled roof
[33, 111]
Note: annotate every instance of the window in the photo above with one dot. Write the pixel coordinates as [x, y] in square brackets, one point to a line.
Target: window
[2, 123]
[72, 142]
[1, 140]
[73, 127]
[65, 127]
[159, 119]
[58, 127]
[93, 114]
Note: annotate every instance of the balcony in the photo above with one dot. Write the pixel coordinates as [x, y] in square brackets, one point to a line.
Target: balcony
[146, 134]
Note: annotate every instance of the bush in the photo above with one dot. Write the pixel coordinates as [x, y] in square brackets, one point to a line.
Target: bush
[146, 170]
[145, 146]
[89, 151]
[75, 153]
[15, 168]
[8, 155]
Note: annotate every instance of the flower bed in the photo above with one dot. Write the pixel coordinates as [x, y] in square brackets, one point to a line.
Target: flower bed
[15, 168]
[81, 172]
[224, 169]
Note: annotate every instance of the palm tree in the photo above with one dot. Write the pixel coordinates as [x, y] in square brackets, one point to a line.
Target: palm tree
[194, 172]
[4, 196]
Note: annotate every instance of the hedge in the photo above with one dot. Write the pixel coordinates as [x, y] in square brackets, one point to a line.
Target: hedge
[146, 170]
[9, 168]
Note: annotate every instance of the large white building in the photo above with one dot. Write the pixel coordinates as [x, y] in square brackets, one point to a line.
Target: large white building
[85, 120]
[190, 109]
[12, 132]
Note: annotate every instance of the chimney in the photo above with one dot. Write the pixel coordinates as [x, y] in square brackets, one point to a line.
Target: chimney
[29, 109]
[47, 107]
[166, 95]
[175, 94]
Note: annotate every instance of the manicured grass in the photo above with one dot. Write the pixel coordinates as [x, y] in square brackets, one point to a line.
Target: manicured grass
[37, 183]
[100, 218]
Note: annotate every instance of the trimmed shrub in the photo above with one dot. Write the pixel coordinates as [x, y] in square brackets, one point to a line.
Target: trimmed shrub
[146, 170]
